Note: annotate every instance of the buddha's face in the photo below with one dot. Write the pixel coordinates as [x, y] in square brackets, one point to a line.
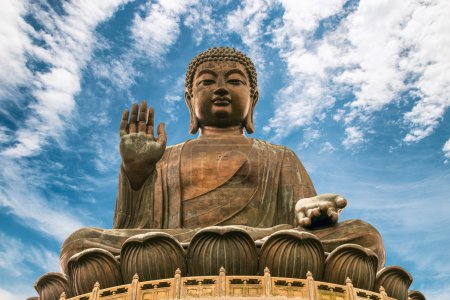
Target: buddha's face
[221, 94]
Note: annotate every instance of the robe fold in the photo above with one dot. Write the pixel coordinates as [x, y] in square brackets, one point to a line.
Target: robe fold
[252, 183]
[261, 190]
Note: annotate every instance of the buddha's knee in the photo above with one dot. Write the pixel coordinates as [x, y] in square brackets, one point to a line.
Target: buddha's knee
[352, 232]
[81, 239]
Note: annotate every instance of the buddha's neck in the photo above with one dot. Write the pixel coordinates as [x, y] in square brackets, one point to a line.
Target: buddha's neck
[220, 132]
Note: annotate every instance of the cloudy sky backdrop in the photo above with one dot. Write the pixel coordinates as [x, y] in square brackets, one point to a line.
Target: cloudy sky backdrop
[360, 90]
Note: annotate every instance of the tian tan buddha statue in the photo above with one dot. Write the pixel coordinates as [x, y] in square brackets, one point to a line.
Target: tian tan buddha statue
[221, 199]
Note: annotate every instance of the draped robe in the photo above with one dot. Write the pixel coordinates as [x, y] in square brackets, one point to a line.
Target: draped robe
[199, 183]
[208, 182]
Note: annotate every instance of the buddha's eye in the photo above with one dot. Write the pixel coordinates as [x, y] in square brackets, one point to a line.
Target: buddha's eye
[206, 82]
[236, 82]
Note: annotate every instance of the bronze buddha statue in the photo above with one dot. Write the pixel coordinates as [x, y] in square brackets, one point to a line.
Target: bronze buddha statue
[220, 178]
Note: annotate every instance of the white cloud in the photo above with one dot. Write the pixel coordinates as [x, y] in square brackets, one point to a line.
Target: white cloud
[309, 135]
[14, 42]
[19, 196]
[198, 18]
[154, 30]
[5, 134]
[426, 34]
[446, 149]
[247, 21]
[121, 72]
[159, 29]
[18, 258]
[327, 147]
[67, 45]
[306, 95]
[354, 136]
[375, 54]
[16, 293]
[173, 99]
[440, 292]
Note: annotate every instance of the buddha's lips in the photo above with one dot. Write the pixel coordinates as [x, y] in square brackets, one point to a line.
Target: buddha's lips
[221, 101]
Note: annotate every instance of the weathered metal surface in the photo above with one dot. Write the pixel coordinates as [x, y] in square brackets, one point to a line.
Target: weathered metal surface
[353, 261]
[93, 265]
[395, 280]
[152, 256]
[226, 246]
[290, 253]
[51, 285]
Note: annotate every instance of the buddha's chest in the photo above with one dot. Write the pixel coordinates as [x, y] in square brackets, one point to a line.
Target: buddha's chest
[208, 164]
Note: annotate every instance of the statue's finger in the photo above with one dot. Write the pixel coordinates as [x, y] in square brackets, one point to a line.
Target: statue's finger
[332, 214]
[324, 206]
[150, 120]
[142, 126]
[341, 202]
[124, 123]
[314, 212]
[133, 118]
[162, 137]
[299, 216]
[305, 222]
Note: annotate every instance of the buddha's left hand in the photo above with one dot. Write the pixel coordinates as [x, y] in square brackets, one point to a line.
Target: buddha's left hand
[320, 210]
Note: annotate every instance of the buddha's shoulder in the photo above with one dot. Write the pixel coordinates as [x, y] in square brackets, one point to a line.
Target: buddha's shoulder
[268, 146]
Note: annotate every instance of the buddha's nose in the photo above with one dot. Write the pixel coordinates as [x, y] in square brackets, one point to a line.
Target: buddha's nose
[221, 87]
[221, 91]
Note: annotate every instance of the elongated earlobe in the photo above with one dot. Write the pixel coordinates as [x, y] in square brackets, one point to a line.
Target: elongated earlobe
[248, 123]
[193, 124]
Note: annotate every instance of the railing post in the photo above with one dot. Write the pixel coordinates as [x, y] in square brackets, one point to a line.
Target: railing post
[95, 291]
[177, 284]
[222, 282]
[384, 295]
[133, 293]
[311, 286]
[350, 290]
[267, 283]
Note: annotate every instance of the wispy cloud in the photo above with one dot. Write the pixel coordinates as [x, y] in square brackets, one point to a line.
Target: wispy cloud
[354, 136]
[248, 22]
[159, 28]
[154, 30]
[173, 99]
[446, 150]
[306, 95]
[310, 135]
[19, 260]
[327, 147]
[20, 196]
[17, 293]
[14, 43]
[378, 53]
[64, 45]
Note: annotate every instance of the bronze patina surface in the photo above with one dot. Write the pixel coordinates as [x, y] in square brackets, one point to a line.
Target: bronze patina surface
[220, 178]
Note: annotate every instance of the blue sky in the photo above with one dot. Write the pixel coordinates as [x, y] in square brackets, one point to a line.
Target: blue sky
[360, 90]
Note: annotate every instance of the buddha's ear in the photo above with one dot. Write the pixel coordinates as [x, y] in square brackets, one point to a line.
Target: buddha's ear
[193, 124]
[248, 123]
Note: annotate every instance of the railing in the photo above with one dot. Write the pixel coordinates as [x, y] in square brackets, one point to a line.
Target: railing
[222, 286]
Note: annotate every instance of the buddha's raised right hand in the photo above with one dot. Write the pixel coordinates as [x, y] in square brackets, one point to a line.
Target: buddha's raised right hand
[139, 149]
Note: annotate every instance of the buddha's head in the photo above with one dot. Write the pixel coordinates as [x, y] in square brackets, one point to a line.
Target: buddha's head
[221, 90]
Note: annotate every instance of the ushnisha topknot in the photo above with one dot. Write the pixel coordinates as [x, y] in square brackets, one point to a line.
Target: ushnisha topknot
[222, 54]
